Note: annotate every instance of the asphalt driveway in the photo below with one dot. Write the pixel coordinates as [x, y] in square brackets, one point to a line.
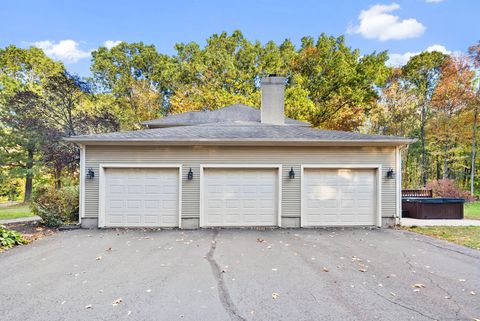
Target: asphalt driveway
[357, 274]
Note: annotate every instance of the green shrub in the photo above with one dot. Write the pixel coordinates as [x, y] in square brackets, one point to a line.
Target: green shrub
[9, 238]
[56, 207]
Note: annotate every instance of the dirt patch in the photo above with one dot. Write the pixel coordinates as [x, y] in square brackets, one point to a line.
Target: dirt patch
[31, 231]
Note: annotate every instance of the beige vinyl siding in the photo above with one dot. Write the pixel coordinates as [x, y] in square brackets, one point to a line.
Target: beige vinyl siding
[194, 156]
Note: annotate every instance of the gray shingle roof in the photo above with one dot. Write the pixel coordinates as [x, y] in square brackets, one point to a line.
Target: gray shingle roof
[246, 132]
[236, 112]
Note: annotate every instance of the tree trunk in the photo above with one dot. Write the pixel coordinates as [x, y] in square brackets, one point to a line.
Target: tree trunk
[29, 176]
[422, 139]
[445, 162]
[474, 152]
[57, 177]
[405, 176]
[437, 168]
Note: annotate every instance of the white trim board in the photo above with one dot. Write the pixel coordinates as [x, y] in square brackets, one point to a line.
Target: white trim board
[238, 166]
[83, 173]
[378, 174]
[398, 184]
[101, 185]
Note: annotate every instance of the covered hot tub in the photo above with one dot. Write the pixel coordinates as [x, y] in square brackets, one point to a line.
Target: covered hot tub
[433, 208]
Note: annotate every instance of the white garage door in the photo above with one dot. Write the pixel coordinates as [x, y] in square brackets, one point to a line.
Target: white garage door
[339, 197]
[141, 197]
[240, 197]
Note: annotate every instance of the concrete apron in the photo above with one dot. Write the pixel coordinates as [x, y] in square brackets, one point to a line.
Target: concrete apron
[417, 222]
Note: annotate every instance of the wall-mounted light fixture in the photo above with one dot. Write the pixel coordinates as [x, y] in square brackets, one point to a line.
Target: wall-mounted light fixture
[90, 173]
[190, 175]
[390, 173]
[291, 174]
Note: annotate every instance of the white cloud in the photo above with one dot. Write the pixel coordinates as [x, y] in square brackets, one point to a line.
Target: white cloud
[433, 1]
[111, 43]
[377, 23]
[66, 50]
[397, 60]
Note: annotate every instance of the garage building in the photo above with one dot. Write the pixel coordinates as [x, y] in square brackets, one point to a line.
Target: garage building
[239, 166]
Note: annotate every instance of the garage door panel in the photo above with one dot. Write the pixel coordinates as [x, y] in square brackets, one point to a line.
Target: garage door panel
[116, 189]
[141, 197]
[339, 197]
[240, 197]
[114, 219]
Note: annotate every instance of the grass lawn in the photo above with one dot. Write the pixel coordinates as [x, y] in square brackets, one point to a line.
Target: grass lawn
[463, 235]
[472, 211]
[15, 211]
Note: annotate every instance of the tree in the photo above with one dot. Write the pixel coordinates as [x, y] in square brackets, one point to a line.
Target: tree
[20, 139]
[396, 114]
[22, 74]
[474, 54]
[226, 71]
[450, 100]
[138, 76]
[339, 82]
[65, 115]
[422, 73]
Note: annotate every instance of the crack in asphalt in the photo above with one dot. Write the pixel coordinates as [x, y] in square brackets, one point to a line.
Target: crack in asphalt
[223, 293]
[402, 305]
[459, 308]
[413, 270]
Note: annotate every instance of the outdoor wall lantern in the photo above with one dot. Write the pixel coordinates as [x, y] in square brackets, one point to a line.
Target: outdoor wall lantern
[390, 173]
[291, 174]
[190, 175]
[90, 173]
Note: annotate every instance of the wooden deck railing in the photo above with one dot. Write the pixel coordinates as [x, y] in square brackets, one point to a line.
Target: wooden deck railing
[417, 193]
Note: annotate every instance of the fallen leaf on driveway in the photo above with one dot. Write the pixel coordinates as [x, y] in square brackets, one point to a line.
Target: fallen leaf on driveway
[362, 270]
[88, 306]
[109, 249]
[275, 295]
[117, 301]
[259, 240]
[418, 285]
[325, 269]
[472, 292]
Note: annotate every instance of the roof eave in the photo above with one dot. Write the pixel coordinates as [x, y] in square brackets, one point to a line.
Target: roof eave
[257, 142]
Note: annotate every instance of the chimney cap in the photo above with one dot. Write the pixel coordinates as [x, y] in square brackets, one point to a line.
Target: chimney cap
[273, 79]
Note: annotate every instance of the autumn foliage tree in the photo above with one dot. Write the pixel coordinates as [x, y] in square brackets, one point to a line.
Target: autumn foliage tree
[434, 98]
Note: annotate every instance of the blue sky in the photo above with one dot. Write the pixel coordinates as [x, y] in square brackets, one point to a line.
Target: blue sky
[69, 30]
